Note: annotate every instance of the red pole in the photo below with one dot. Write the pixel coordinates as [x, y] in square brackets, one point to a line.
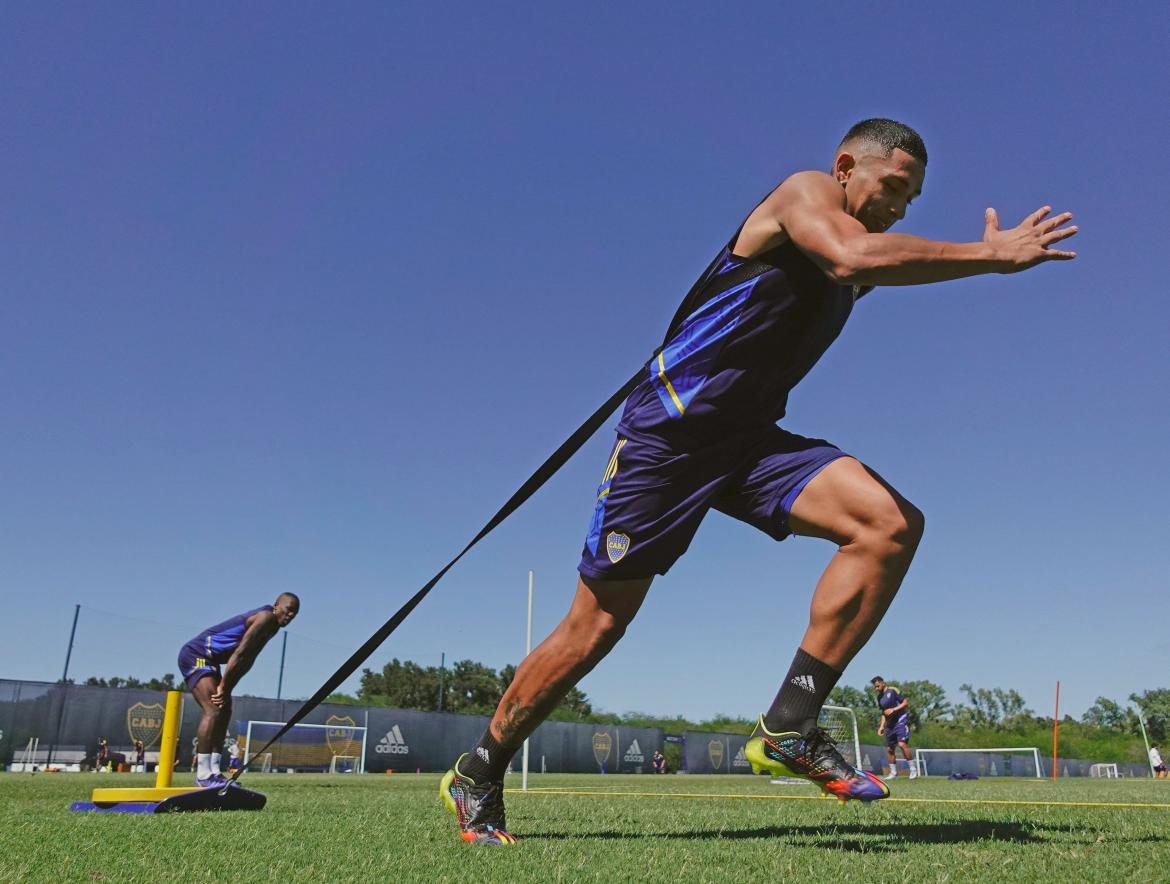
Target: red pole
[1055, 730]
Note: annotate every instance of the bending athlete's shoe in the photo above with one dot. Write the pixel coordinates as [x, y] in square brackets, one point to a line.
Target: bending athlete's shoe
[216, 779]
[812, 756]
[478, 807]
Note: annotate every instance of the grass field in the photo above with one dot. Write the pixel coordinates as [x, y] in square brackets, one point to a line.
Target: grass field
[637, 828]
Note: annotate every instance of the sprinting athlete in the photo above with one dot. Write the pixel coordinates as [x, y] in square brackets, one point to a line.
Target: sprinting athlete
[700, 433]
[235, 642]
[894, 724]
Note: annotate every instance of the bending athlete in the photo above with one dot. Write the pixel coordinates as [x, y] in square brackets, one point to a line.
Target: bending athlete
[235, 642]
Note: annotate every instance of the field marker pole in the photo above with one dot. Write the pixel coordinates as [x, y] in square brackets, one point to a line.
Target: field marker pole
[170, 736]
[1055, 730]
[1146, 740]
[72, 635]
[280, 677]
[527, 651]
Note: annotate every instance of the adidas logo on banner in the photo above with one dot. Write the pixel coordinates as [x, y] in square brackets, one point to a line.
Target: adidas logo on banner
[393, 743]
[634, 753]
[805, 682]
[740, 760]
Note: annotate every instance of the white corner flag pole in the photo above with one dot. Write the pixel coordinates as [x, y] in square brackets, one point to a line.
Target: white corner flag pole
[527, 651]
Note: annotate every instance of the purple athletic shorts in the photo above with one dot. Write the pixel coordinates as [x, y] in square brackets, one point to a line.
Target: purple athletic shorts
[651, 499]
[194, 667]
[897, 734]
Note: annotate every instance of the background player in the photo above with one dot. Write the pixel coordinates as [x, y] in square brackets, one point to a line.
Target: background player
[234, 759]
[700, 432]
[235, 642]
[1157, 763]
[894, 724]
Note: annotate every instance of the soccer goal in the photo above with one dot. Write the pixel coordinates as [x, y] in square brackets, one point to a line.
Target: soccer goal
[28, 756]
[1103, 770]
[1016, 761]
[336, 746]
[345, 764]
[840, 724]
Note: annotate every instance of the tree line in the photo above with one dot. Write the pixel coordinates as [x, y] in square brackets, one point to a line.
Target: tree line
[466, 687]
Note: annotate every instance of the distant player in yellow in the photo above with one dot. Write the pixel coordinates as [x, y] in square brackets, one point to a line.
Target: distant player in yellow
[235, 642]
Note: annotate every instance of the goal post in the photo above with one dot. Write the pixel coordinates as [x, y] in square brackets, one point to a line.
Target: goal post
[345, 764]
[1014, 761]
[334, 747]
[840, 723]
[1103, 769]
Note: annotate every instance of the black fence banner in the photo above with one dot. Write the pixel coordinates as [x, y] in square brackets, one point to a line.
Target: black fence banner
[69, 719]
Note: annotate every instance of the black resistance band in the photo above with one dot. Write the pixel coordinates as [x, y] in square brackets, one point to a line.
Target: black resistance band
[701, 292]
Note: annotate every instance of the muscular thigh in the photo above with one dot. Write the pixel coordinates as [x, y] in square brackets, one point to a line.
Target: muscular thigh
[202, 691]
[844, 499]
[772, 477]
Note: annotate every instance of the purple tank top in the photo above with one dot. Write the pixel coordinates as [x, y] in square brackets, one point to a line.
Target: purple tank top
[733, 354]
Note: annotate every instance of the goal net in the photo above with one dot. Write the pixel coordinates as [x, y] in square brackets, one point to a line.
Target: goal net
[1012, 762]
[337, 746]
[1103, 770]
[344, 764]
[840, 724]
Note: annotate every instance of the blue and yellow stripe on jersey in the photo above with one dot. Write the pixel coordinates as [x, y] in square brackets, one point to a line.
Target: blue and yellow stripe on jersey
[683, 365]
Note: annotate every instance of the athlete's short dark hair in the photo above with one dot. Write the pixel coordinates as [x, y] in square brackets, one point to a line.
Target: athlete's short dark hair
[876, 679]
[290, 595]
[889, 135]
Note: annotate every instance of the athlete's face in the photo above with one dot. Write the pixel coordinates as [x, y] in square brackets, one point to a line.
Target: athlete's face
[878, 189]
[879, 686]
[285, 609]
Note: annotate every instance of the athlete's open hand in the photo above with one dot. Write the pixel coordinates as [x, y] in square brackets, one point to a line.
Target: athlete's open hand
[220, 697]
[1028, 244]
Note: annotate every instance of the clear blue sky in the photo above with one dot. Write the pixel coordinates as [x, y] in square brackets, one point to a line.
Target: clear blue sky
[295, 297]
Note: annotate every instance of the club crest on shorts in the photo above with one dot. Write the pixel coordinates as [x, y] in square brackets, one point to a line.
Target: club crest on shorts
[145, 722]
[616, 546]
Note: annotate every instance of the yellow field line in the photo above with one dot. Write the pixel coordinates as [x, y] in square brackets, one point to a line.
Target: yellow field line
[825, 797]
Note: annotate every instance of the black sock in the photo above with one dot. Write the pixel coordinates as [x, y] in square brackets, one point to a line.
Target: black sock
[805, 689]
[488, 761]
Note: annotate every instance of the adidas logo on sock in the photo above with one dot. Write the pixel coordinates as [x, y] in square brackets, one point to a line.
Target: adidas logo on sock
[805, 682]
[484, 755]
[393, 743]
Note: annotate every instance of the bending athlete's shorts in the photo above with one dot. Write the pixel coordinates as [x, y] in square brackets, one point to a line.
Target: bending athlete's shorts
[651, 499]
[897, 734]
[194, 667]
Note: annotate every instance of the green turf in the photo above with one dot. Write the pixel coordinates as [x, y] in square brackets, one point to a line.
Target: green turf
[392, 828]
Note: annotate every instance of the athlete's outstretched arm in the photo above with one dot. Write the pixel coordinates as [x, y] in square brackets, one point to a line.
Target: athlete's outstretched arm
[810, 208]
[260, 630]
